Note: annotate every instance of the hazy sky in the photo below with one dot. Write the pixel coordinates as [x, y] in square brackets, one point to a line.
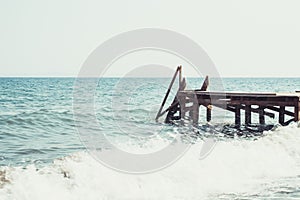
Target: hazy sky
[243, 38]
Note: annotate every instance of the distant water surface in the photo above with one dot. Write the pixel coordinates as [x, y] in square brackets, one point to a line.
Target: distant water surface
[40, 145]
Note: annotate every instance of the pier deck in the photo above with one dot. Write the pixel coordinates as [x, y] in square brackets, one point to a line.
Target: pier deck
[187, 102]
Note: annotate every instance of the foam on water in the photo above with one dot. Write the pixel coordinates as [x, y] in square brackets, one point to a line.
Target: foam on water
[268, 167]
[37, 128]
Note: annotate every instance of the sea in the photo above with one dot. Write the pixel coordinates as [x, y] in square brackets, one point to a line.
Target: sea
[44, 152]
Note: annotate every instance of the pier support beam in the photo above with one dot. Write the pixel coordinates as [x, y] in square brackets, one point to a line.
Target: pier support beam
[194, 112]
[238, 115]
[248, 114]
[183, 109]
[297, 112]
[281, 115]
[208, 113]
[261, 113]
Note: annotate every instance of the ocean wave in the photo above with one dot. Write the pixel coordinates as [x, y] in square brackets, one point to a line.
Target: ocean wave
[236, 168]
[37, 117]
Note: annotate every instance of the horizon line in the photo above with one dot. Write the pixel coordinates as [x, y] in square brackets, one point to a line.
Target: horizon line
[146, 77]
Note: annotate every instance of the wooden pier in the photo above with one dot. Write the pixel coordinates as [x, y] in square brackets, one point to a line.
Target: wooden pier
[186, 104]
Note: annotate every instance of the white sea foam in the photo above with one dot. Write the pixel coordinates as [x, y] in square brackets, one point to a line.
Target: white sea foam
[235, 166]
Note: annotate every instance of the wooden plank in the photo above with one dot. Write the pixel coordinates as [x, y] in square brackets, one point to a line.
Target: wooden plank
[238, 100]
[250, 94]
[288, 94]
[266, 103]
[244, 94]
[232, 93]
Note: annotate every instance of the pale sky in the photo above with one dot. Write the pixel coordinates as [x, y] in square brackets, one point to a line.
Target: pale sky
[243, 38]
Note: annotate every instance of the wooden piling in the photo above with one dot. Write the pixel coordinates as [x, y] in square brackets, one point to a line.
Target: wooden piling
[208, 113]
[261, 113]
[238, 115]
[281, 114]
[247, 114]
[183, 110]
[297, 112]
[195, 111]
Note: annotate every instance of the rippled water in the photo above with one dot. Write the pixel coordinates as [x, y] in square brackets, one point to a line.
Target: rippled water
[41, 155]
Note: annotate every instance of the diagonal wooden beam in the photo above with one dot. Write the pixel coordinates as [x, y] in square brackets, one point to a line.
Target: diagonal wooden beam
[167, 94]
[175, 104]
[286, 112]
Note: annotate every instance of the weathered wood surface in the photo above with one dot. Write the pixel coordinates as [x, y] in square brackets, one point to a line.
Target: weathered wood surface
[168, 92]
[264, 102]
[234, 98]
[237, 101]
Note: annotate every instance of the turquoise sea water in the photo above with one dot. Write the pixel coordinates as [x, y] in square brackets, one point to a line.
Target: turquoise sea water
[41, 147]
